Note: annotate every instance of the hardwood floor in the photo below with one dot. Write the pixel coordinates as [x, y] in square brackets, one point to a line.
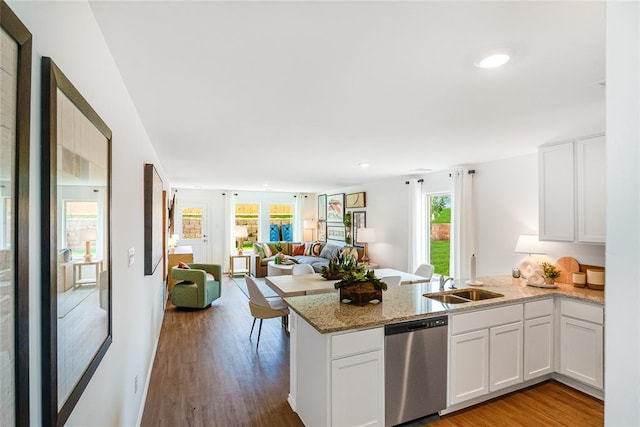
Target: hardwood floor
[546, 404]
[208, 373]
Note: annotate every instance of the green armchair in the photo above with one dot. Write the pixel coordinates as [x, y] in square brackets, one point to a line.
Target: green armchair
[198, 286]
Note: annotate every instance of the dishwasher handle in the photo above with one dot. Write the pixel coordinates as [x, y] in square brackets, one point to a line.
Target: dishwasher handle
[416, 325]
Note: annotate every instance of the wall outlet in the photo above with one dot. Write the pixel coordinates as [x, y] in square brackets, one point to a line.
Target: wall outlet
[135, 385]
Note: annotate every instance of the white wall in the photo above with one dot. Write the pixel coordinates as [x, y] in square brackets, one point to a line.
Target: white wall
[622, 294]
[68, 33]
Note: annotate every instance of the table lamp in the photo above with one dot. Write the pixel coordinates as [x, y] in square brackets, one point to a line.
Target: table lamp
[309, 225]
[366, 236]
[240, 232]
[173, 241]
[530, 245]
[88, 235]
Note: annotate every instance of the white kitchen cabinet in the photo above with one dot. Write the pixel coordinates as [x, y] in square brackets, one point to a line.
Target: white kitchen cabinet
[556, 176]
[571, 190]
[505, 356]
[337, 379]
[357, 390]
[539, 339]
[591, 189]
[469, 366]
[581, 342]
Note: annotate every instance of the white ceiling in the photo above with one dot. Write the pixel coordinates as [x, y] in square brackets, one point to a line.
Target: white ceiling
[236, 95]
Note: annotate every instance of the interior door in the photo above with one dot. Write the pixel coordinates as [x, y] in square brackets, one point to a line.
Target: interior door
[191, 227]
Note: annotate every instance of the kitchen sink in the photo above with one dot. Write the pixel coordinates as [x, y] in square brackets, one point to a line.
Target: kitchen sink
[460, 296]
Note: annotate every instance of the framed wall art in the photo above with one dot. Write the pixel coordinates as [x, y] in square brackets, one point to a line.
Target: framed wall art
[322, 207]
[335, 208]
[335, 232]
[15, 63]
[153, 219]
[322, 231]
[357, 200]
[76, 244]
[359, 221]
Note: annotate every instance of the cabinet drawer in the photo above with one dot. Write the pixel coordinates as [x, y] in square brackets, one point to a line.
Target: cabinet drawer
[538, 308]
[483, 319]
[583, 311]
[357, 342]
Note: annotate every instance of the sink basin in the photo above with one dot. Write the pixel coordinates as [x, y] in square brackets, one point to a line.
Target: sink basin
[446, 298]
[460, 296]
[476, 294]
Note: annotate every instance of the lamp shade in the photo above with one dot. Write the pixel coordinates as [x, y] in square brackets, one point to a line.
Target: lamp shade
[309, 224]
[87, 234]
[529, 244]
[240, 231]
[366, 235]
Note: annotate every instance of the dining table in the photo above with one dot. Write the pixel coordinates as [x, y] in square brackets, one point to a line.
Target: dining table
[308, 284]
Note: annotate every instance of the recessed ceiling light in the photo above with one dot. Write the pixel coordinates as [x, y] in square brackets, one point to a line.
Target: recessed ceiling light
[363, 165]
[265, 185]
[494, 60]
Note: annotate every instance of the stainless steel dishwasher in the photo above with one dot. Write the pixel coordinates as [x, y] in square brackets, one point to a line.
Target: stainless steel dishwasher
[415, 356]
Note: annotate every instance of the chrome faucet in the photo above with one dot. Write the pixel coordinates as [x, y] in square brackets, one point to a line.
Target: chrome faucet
[444, 280]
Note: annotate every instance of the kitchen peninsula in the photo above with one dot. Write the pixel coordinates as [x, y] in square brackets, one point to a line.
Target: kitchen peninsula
[527, 336]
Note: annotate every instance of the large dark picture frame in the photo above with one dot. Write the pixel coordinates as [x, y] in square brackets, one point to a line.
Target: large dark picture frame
[153, 216]
[15, 184]
[71, 127]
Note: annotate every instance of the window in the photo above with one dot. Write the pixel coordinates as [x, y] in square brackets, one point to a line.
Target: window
[248, 215]
[281, 222]
[439, 226]
[192, 223]
[79, 215]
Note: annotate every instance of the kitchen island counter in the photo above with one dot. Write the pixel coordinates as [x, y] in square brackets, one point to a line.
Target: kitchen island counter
[326, 314]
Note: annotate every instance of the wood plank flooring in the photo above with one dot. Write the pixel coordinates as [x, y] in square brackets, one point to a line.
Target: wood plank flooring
[208, 373]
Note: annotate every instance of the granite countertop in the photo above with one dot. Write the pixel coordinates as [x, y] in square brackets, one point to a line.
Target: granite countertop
[326, 314]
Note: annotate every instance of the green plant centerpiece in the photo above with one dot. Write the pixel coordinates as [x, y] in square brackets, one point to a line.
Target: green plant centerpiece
[360, 287]
[278, 247]
[551, 273]
[338, 266]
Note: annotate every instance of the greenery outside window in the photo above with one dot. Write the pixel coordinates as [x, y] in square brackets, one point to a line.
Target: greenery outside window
[248, 215]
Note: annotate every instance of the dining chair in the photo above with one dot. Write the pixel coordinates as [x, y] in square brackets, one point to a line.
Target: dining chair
[391, 281]
[263, 308]
[301, 269]
[425, 270]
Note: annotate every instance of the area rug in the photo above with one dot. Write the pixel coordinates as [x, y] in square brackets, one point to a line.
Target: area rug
[266, 290]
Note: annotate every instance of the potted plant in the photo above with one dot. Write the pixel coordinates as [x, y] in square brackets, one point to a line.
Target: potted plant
[360, 287]
[278, 247]
[338, 266]
[551, 273]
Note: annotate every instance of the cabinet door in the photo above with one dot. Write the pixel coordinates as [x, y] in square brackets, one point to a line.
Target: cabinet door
[357, 390]
[468, 366]
[591, 189]
[556, 192]
[538, 347]
[581, 353]
[505, 356]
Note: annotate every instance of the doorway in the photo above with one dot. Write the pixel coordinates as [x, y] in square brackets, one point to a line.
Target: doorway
[191, 227]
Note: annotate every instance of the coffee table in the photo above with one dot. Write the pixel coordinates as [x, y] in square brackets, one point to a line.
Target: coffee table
[274, 269]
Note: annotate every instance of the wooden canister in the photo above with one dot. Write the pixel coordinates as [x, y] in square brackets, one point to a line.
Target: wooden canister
[579, 280]
[595, 279]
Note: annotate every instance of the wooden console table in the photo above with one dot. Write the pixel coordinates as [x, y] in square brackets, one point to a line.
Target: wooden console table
[176, 256]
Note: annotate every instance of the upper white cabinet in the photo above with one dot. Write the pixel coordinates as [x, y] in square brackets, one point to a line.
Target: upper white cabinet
[556, 190]
[590, 185]
[572, 191]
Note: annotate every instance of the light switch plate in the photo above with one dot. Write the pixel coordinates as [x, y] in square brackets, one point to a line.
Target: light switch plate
[132, 256]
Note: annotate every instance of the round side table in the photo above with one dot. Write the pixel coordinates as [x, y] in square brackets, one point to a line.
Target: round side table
[274, 269]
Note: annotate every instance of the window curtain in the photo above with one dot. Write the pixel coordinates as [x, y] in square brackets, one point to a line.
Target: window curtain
[298, 220]
[416, 222]
[229, 226]
[462, 224]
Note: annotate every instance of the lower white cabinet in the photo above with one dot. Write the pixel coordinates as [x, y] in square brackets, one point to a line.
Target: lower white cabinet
[538, 344]
[505, 356]
[581, 355]
[469, 366]
[357, 384]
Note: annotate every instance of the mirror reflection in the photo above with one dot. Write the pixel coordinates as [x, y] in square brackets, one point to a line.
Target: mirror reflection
[82, 243]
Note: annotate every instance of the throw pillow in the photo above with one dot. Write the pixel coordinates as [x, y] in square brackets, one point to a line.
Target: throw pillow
[298, 250]
[183, 265]
[329, 251]
[258, 249]
[316, 248]
[350, 250]
[267, 250]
